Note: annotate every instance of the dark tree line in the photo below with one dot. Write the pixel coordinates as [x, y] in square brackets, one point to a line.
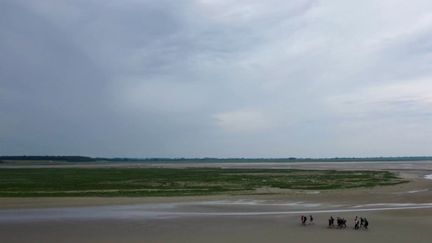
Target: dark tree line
[47, 158]
[211, 160]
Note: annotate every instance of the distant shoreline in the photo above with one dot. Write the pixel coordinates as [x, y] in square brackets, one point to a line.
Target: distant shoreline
[86, 159]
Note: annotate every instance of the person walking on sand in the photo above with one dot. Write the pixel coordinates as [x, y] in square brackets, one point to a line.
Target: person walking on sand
[366, 223]
[339, 222]
[356, 223]
[311, 219]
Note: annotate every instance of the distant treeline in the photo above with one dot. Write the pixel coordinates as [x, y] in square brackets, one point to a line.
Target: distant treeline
[269, 160]
[50, 158]
[212, 160]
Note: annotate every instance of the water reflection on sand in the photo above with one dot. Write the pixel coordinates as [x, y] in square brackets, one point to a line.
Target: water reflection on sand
[193, 209]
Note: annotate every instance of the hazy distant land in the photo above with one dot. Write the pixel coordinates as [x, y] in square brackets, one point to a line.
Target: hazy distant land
[41, 159]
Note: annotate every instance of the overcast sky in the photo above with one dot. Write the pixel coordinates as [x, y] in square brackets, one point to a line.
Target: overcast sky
[216, 78]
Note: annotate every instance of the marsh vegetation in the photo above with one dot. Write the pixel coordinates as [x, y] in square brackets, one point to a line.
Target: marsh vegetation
[62, 182]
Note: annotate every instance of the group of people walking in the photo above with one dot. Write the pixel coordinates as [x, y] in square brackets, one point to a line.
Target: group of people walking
[304, 219]
[360, 223]
[341, 223]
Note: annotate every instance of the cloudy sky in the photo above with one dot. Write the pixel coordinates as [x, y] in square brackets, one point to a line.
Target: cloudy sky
[216, 78]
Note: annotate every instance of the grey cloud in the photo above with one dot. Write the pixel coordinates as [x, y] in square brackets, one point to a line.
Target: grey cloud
[213, 78]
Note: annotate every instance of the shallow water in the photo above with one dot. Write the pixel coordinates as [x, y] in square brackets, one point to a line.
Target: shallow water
[193, 209]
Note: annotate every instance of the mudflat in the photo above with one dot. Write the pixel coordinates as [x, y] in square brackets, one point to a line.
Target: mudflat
[397, 213]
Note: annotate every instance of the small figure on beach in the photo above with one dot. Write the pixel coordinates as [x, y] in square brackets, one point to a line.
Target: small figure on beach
[303, 219]
[311, 219]
[366, 223]
[341, 222]
[356, 223]
[331, 222]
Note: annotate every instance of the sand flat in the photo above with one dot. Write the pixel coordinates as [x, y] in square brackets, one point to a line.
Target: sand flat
[412, 225]
[399, 213]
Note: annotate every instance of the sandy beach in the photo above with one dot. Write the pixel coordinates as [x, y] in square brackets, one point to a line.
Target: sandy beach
[400, 213]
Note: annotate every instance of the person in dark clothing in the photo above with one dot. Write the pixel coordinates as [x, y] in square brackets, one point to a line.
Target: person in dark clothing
[311, 219]
[357, 225]
[341, 222]
[331, 222]
[344, 225]
[366, 223]
[303, 219]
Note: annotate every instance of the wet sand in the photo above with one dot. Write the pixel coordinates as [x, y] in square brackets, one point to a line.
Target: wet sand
[400, 213]
[398, 225]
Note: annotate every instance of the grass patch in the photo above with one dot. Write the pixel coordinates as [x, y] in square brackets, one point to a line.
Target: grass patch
[70, 182]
